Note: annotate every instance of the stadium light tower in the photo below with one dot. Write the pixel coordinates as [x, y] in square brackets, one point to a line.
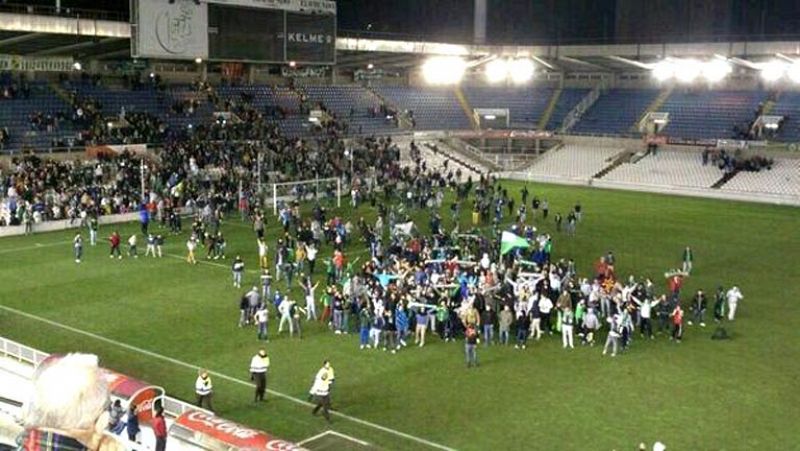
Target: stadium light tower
[496, 70]
[444, 70]
[773, 70]
[521, 70]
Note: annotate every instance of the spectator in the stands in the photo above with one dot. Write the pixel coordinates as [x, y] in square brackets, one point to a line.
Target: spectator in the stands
[67, 409]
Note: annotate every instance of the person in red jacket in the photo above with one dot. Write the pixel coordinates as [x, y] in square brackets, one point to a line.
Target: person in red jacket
[160, 429]
[114, 241]
[677, 323]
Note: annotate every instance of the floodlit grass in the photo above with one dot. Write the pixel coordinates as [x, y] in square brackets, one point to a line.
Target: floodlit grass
[699, 394]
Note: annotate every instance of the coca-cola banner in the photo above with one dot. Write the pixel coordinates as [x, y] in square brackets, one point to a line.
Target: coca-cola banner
[227, 433]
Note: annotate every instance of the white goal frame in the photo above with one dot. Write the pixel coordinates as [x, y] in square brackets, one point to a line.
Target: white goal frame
[316, 182]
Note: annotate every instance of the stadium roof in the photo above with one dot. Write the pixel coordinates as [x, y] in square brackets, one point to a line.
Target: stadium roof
[82, 38]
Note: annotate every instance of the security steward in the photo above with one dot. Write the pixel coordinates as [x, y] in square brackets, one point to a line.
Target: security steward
[259, 365]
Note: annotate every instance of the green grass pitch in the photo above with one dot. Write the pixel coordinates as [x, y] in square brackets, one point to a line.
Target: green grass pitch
[699, 394]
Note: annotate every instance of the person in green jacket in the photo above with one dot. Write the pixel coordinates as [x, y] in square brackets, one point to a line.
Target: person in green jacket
[688, 258]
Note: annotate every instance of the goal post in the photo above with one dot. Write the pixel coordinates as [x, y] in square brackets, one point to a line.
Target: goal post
[307, 190]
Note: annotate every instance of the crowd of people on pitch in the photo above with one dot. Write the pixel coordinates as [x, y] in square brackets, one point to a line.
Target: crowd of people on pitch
[454, 284]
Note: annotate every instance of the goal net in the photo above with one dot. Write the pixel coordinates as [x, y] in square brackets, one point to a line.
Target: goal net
[327, 191]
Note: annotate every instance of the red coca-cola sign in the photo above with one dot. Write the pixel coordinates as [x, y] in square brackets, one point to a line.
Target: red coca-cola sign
[233, 434]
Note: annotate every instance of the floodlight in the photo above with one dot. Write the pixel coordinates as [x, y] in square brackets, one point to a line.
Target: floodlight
[521, 70]
[444, 70]
[370, 66]
[715, 70]
[496, 70]
[292, 64]
[490, 117]
[688, 70]
[773, 70]
[664, 70]
[794, 72]
[77, 65]
[198, 60]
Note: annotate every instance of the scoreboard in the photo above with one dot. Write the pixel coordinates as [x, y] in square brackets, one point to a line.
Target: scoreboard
[261, 31]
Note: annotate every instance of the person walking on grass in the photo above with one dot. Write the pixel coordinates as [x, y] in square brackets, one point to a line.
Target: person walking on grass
[237, 269]
[719, 304]
[688, 258]
[504, 322]
[523, 326]
[261, 319]
[614, 333]
[308, 291]
[77, 247]
[191, 245]
[487, 321]
[567, 323]
[204, 389]
[132, 246]
[259, 365]
[321, 392]
[677, 323]
[699, 309]
[114, 241]
[734, 295]
[471, 346]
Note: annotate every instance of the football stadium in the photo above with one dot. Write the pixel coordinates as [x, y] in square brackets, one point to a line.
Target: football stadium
[400, 225]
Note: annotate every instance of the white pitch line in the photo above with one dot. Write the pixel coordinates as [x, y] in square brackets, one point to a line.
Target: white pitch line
[278, 394]
[35, 246]
[332, 432]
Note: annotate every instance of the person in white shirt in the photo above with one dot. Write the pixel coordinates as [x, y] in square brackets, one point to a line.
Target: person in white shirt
[285, 309]
[645, 313]
[204, 390]
[734, 295]
[259, 365]
[321, 391]
[261, 318]
[545, 306]
[132, 247]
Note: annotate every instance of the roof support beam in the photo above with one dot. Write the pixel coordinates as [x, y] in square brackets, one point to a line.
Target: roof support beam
[20, 39]
[631, 62]
[72, 47]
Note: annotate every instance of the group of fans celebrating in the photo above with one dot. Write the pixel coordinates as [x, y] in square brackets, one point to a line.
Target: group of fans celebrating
[498, 288]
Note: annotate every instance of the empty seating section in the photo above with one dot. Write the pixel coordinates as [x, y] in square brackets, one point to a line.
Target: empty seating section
[788, 106]
[667, 168]
[616, 111]
[355, 104]
[434, 108]
[525, 104]
[782, 179]
[710, 114]
[573, 161]
[566, 102]
[15, 114]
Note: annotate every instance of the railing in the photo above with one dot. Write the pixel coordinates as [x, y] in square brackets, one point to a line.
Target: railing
[575, 114]
[78, 13]
[9, 348]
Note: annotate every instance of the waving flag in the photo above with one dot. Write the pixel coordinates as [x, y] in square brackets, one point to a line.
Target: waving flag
[510, 241]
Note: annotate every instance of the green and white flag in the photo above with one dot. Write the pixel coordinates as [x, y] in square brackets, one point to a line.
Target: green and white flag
[509, 241]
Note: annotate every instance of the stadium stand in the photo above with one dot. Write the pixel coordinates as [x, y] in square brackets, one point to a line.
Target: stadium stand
[566, 102]
[669, 168]
[433, 108]
[788, 106]
[782, 179]
[711, 114]
[573, 162]
[36, 119]
[616, 111]
[525, 104]
[355, 104]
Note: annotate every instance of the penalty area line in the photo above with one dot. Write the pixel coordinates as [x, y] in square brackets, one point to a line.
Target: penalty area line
[177, 362]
